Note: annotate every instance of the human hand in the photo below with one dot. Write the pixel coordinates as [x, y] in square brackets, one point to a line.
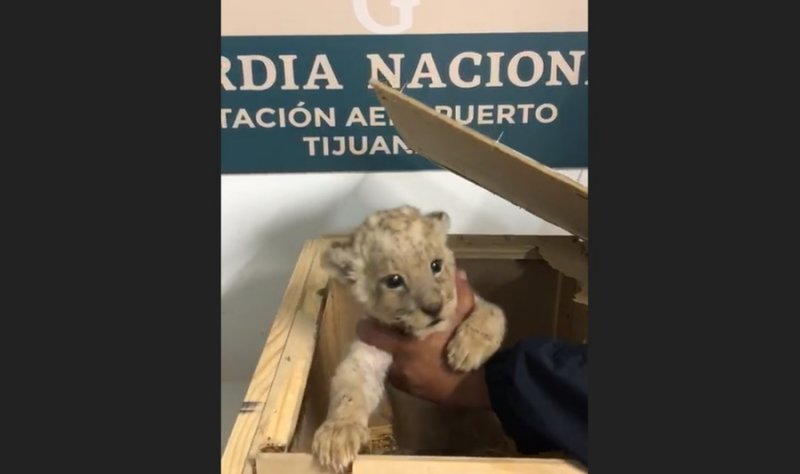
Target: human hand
[419, 367]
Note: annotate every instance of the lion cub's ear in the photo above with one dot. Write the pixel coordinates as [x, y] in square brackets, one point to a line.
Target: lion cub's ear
[342, 262]
[442, 220]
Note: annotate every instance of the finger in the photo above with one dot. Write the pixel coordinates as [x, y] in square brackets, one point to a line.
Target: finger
[385, 339]
[465, 296]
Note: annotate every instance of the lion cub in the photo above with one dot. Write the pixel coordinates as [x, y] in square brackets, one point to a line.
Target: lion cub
[398, 267]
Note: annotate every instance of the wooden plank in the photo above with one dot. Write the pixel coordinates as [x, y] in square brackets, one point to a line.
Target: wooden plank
[287, 463]
[461, 465]
[302, 463]
[494, 246]
[494, 166]
[512, 247]
[282, 407]
[241, 440]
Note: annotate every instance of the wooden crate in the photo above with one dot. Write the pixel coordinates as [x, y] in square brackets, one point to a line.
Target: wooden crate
[541, 283]
[287, 396]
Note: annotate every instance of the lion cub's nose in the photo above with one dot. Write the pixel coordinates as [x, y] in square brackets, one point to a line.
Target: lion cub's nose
[432, 309]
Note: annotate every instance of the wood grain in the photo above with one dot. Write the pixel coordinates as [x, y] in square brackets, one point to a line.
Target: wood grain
[302, 463]
[282, 407]
[494, 166]
[459, 465]
[237, 457]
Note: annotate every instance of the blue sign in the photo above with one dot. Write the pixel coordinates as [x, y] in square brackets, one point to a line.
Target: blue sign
[303, 104]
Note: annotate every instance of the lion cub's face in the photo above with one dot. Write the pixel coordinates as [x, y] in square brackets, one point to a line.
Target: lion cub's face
[398, 266]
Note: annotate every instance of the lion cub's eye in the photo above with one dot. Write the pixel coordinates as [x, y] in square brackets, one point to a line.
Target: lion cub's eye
[436, 266]
[394, 281]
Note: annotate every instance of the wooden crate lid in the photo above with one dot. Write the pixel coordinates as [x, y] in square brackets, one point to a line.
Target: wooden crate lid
[496, 167]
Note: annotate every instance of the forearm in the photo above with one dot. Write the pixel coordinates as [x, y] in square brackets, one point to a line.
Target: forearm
[358, 384]
[539, 390]
[356, 389]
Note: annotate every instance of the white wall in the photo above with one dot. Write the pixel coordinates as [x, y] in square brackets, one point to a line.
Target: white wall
[267, 218]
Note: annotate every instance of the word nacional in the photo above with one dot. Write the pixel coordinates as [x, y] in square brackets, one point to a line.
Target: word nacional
[464, 70]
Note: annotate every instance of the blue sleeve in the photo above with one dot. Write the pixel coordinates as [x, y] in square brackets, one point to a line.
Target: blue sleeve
[539, 390]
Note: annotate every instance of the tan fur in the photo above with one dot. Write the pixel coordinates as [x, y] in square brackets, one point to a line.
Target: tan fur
[403, 242]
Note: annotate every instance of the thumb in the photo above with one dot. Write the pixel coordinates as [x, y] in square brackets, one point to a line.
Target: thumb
[465, 296]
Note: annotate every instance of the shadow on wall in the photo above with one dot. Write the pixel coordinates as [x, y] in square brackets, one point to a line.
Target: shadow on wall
[251, 301]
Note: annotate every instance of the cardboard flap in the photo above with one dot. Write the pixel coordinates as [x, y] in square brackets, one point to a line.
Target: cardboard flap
[496, 167]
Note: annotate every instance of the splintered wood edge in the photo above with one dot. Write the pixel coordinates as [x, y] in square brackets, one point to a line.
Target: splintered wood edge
[303, 463]
[569, 257]
[271, 406]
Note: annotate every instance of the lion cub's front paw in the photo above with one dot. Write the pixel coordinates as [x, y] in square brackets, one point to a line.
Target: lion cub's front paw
[475, 340]
[336, 443]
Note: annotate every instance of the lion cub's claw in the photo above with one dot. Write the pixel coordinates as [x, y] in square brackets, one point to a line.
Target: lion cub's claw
[336, 444]
[470, 348]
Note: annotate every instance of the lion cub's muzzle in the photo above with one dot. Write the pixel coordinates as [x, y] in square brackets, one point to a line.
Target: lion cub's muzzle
[432, 310]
